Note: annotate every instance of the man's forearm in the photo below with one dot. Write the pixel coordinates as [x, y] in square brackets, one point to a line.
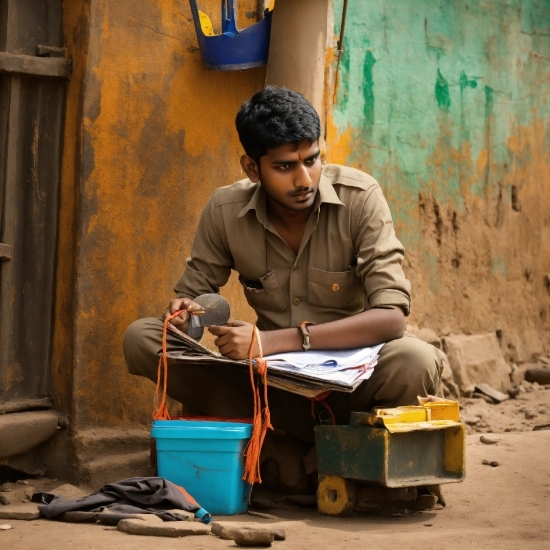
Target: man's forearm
[368, 328]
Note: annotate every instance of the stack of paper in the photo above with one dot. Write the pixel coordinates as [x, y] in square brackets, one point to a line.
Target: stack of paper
[307, 373]
[343, 370]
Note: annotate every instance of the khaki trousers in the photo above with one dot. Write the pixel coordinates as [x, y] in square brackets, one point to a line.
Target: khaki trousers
[407, 367]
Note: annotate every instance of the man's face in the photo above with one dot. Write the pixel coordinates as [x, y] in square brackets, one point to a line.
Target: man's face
[290, 175]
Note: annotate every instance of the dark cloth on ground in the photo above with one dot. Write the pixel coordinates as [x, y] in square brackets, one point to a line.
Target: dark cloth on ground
[136, 495]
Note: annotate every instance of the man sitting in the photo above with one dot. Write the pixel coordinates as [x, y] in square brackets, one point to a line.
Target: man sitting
[311, 243]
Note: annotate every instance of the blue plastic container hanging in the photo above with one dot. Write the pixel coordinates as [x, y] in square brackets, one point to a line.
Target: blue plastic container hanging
[233, 49]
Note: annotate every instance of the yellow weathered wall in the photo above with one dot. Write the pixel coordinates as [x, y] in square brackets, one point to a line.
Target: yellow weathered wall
[149, 135]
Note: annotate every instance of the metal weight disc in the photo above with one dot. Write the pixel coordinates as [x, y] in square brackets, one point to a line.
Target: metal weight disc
[216, 309]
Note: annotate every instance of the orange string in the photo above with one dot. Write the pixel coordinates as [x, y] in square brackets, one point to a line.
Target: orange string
[161, 410]
[262, 418]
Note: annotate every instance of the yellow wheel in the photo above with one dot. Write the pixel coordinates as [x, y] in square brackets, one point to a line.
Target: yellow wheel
[335, 496]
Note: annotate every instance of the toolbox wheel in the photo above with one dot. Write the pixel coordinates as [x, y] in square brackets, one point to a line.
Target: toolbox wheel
[335, 496]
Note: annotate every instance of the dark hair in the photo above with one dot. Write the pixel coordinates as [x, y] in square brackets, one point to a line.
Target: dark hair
[275, 116]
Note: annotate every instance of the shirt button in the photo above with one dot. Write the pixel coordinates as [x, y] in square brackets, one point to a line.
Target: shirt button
[296, 301]
[335, 287]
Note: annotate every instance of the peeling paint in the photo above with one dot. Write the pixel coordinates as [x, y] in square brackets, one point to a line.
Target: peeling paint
[453, 120]
[155, 136]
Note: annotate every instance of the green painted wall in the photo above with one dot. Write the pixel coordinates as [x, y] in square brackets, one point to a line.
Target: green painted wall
[446, 105]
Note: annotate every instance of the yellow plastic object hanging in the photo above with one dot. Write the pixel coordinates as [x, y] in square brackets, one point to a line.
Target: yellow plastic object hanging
[206, 24]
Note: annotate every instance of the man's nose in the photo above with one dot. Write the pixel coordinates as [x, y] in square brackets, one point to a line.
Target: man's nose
[303, 178]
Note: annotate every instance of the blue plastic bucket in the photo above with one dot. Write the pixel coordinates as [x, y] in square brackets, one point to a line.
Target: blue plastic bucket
[206, 459]
[233, 49]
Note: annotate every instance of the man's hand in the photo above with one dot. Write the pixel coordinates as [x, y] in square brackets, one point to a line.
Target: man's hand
[233, 339]
[182, 321]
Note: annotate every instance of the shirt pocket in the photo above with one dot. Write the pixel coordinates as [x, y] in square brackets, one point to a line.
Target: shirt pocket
[270, 296]
[334, 289]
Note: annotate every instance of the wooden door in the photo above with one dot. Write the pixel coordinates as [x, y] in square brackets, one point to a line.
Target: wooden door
[33, 75]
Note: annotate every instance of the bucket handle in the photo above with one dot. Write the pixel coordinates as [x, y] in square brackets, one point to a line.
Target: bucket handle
[229, 24]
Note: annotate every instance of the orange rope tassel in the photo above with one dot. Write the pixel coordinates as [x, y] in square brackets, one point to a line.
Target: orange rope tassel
[262, 419]
[161, 410]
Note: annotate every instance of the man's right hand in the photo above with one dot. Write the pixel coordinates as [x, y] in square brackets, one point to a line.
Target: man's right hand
[182, 321]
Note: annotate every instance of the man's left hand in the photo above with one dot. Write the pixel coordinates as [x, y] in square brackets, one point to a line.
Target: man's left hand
[233, 339]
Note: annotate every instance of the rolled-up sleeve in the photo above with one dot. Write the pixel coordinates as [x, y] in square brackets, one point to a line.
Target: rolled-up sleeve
[380, 255]
[209, 266]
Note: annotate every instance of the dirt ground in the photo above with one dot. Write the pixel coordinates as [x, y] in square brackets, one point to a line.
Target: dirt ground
[507, 506]
[525, 412]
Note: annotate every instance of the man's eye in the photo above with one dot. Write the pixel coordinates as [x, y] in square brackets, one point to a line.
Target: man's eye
[311, 161]
[283, 167]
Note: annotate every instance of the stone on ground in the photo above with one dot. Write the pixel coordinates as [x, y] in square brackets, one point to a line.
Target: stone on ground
[253, 537]
[164, 529]
[229, 530]
[541, 375]
[477, 359]
[495, 395]
[20, 511]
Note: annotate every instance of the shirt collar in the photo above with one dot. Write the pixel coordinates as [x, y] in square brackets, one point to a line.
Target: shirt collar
[326, 194]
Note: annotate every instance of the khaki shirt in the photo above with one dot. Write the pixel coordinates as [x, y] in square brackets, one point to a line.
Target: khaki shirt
[349, 259]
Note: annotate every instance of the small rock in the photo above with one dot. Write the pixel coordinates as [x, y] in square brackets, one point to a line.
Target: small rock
[164, 529]
[253, 537]
[539, 375]
[488, 440]
[262, 503]
[529, 415]
[22, 482]
[495, 395]
[486, 398]
[228, 530]
[223, 530]
[428, 524]
[4, 499]
[541, 427]
[514, 392]
[471, 420]
[425, 502]
[20, 511]
[492, 463]
[305, 501]
[5, 527]
[521, 388]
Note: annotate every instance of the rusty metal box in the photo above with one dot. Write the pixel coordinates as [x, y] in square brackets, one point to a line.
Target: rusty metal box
[400, 447]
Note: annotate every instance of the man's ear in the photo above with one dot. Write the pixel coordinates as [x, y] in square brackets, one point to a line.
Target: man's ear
[251, 169]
